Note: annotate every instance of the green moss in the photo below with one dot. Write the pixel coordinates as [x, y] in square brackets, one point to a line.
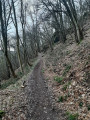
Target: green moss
[58, 79]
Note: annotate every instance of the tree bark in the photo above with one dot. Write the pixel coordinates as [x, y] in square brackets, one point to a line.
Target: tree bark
[62, 25]
[4, 35]
[78, 31]
[16, 26]
[23, 22]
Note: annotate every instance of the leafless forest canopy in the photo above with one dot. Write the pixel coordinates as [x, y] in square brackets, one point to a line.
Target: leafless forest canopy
[28, 27]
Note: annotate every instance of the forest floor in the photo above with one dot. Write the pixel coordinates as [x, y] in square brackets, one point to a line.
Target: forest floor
[12, 95]
[33, 101]
[67, 70]
[58, 87]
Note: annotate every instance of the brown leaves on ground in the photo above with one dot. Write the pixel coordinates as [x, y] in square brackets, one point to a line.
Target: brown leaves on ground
[76, 85]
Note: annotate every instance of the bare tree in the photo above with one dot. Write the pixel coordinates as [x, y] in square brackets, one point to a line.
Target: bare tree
[4, 25]
[17, 34]
[55, 9]
[70, 7]
[23, 23]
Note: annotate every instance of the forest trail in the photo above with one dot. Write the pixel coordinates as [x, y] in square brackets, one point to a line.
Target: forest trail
[39, 98]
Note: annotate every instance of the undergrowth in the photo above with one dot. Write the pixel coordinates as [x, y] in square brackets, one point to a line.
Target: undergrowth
[9, 82]
[71, 116]
[12, 80]
[66, 70]
[2, 113]
[81, 104]
[62, 98]
[88, 107]
[66, 86]
[58, 79]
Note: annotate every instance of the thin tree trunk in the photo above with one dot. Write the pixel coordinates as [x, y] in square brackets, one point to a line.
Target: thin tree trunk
[16, 26]
[8, 70]
[23, 22]
[62, 25]
[10, 66]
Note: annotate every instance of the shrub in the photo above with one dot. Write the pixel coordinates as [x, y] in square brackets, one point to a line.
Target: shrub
[61, 99]
[2, 113]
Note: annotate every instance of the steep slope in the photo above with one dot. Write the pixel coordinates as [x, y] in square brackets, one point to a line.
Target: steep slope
[67, 69]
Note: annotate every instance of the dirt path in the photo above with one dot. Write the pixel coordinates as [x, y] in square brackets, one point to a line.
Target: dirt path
[39, 98]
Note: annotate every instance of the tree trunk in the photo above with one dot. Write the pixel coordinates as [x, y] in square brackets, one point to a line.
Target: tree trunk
[23, 22]
[78, 31]
[62, 25]
[10, 66]
[4, 35]
[16, 26]
[8, 70]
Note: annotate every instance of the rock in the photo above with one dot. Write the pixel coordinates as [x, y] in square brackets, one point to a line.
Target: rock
[83, 96]
[22, 117]
[22, 86]
[70, 86]
[74, 83]
[71, 103]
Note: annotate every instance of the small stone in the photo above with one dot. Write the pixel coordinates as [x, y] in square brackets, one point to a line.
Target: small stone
[83, 96]
[44, 108]
[74, 83]
[71, 103]
[70, 86]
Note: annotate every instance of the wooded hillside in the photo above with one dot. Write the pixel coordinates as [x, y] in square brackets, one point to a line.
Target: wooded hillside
[56, 31]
